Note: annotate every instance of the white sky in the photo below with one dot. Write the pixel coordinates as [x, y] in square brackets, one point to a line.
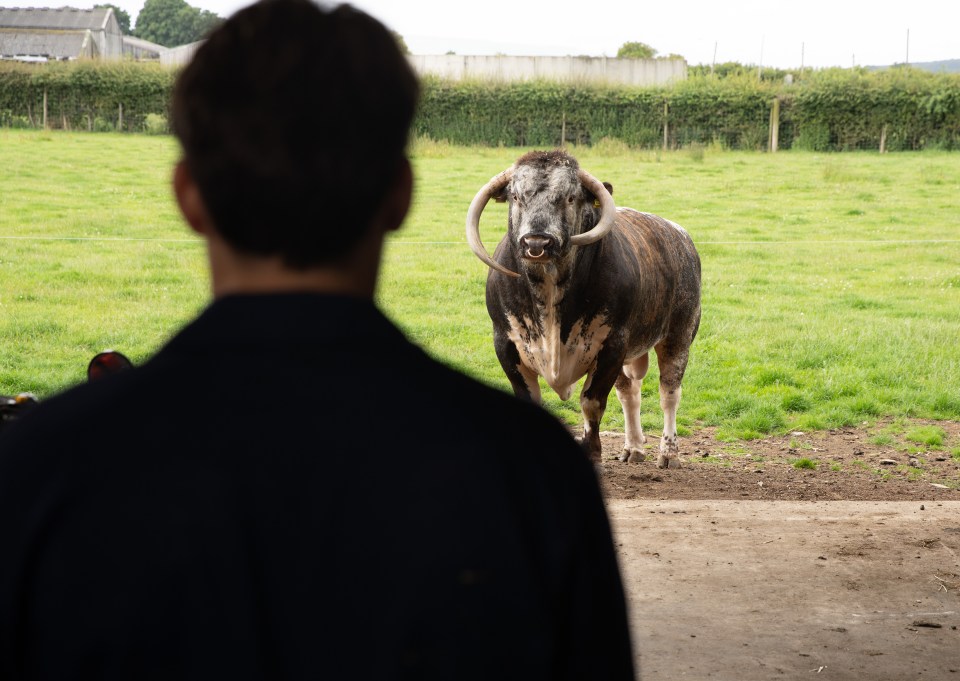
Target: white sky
[776, 33]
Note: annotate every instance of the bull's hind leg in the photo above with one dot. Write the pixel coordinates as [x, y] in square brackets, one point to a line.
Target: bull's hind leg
[669, 446]
[673, 363]
[628, 386]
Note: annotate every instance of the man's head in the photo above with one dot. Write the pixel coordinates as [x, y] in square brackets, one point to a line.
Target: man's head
[293, 122]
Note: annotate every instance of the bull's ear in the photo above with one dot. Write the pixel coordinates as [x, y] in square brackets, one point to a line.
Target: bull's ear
[596, 201]
[501, 196]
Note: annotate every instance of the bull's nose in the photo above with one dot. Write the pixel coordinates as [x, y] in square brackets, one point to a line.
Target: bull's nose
[535, 247]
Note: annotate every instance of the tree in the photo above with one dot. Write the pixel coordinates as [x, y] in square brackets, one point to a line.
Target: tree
[173, 22]
[204, 22]
[123, 18]
[631, 51]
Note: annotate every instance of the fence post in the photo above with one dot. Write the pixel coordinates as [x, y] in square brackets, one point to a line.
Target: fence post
[120, 119]
[563, 130]
[883, 139]
[666, 126]
[775, 125]
[44, 109]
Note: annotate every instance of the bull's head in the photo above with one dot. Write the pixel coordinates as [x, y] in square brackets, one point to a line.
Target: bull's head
[552, 208]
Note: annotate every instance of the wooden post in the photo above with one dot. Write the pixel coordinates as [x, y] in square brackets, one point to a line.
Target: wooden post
[666, 126]
[883, 139]
[44, 109]
[120, 118]
[563, 130]
[775, 125]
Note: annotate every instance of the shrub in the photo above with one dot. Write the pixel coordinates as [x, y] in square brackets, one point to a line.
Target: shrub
[155, 124]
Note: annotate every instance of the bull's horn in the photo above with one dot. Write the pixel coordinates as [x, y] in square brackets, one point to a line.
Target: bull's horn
[473, 219]
[608, 212]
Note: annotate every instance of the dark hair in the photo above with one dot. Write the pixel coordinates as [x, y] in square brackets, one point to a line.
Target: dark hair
[293, 121]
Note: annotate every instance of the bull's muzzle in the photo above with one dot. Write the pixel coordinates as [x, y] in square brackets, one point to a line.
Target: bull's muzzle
[537, 247]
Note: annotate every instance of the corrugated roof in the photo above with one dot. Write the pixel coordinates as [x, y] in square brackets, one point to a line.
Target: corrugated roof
[64, 18]
[143, 44]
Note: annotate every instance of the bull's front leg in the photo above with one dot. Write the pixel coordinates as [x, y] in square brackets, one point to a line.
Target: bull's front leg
[593, 401]
[523, 380]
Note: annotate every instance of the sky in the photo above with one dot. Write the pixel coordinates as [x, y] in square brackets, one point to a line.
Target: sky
[817, 33]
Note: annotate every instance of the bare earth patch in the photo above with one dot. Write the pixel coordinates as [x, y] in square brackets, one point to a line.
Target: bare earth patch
[831, 555]
[841, 464]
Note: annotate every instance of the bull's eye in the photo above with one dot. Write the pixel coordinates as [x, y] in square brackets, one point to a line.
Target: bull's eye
[570, 199]
[516, 198]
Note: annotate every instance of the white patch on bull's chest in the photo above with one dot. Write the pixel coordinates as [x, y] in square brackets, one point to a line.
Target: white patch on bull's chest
[561, 364]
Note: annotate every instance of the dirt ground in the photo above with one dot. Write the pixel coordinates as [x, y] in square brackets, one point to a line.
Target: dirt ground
[742, 566]
[848, 466]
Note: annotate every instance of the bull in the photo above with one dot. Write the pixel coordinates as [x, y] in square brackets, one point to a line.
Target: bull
[579, 287]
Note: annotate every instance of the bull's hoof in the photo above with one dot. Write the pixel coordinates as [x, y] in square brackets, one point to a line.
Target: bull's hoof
[668, 461]
[669, 452]
[592, 450]
[632, 455]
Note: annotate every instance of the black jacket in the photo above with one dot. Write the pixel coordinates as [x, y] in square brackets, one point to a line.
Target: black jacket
[291, 490]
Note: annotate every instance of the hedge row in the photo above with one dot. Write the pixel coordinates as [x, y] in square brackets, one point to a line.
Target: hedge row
[547, 114]
[84, 95]
[824, 110]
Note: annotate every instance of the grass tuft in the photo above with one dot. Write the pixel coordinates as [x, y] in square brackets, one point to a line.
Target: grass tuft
[931, 436]
[882, 439]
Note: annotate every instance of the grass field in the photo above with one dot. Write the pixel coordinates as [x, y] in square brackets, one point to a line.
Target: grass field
[831, 282]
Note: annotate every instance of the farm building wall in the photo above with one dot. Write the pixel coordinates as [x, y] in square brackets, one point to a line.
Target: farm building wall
[179, 56]
[565, 69]
[510, 69]
[63, 33]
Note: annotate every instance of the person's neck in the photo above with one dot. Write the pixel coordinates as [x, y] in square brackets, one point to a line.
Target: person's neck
[233, 273]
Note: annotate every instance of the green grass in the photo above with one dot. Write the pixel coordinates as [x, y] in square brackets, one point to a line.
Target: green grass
[931, 436]
[804, 464]
[824, 301]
